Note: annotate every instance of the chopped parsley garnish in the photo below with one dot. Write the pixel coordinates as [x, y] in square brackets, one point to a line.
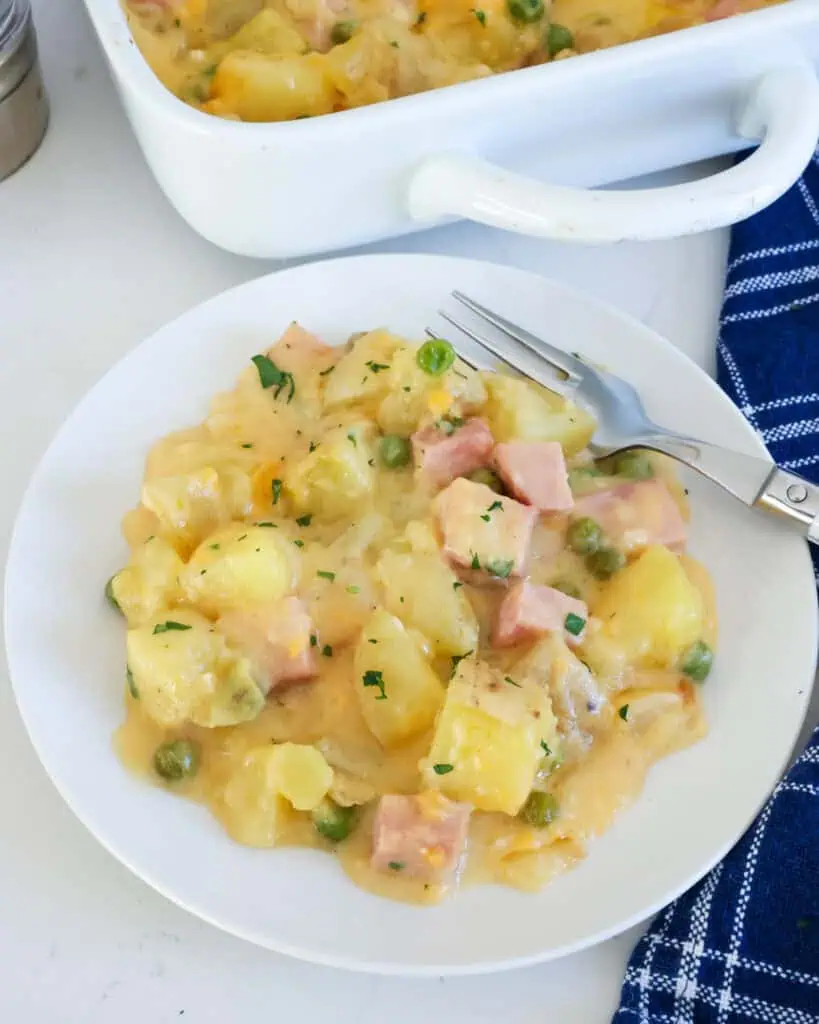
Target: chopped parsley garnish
[132, 687]
[170, 626]
[394, 43]
[373, 678]
[547, 750]
[456, 660]
[305, 520]
[406, 387]
[312, 446]
[313, 640]
[511, 681]
[449, 424]
[270, 376]
[277, 491]
[495, 506]
[574, 624]
[243, 537]
[246, 446]
[422, 17]
[443, 769]
[396, 865]
[480, 15]
[323, 373]
[476, 562]
[326, 575]
[377, 367]
[372, 641]
[214, 547]
[623, 712]
[268, 524]
[353, 589]
[327, 651]
[299, 543]
[351, 438]
[486, 517]
[500, 567]
[457, 585]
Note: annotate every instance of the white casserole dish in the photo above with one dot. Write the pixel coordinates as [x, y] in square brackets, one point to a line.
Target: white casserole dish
[309, 186]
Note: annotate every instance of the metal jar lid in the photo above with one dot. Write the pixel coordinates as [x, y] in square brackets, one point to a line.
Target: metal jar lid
[23, 103]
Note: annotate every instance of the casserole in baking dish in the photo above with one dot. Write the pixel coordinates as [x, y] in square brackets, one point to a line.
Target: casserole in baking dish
[316, 184]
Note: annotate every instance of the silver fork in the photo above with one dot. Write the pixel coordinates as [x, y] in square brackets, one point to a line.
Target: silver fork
[622, 422]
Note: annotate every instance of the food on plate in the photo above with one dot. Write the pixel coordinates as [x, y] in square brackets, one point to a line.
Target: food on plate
[384, 605]
[280, 60]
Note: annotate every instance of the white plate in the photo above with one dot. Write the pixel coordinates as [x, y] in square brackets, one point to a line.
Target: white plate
[66, 650]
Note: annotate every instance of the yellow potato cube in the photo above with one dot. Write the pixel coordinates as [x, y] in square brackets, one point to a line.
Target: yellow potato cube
[238, 566]
[252, 807]
[362, 371]
[397, 689]
[267, 32]
[300, 774]
[183, 671]
[264, 87]
[422, 591]
[651, 610]
[149, 582]
[487, 746]
[519, 410]
[335, 478]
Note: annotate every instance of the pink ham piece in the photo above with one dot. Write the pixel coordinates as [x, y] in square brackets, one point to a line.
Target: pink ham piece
[297, 339]
[421, 836]
[441, 457]
[634, 515]
[535, 473]
[277, 640]
[484, 531]
[529, 609]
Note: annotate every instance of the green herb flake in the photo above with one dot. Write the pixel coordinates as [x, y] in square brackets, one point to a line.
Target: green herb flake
[327, 651]
[326, 575]
[214, 547]
[456, 660]
[486, 517]
[372, 641]
[443, 769]
[495, 506]
[243, 537]
[305, 520]
[353, 589]
[376, 367]
[623, 712]
[270, 376]
[422, 17]
[547, 750]
[313, 640]
[406, 388]
[246, 446]
[299, 543]
[352, 439]
[169, 627]
[323, 373]
[312, 446]
[480, 15]
[500, 567]
[511, 681]
[574, 624]
[374, 678]
[476, 562]
[269, 525]
[457, 585]
[129, 679]
[277, 491]
[394, 43]
[396, 865]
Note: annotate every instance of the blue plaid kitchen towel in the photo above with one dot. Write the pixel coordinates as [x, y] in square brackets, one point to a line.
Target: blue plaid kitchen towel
[743, 945]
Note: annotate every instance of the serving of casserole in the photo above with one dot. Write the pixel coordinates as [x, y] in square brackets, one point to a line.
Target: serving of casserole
[371, 170]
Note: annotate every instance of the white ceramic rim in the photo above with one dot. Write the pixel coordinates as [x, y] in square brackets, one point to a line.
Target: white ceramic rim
[752, 445]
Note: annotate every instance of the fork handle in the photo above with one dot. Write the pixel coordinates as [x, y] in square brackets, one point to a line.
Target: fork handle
[757, 482]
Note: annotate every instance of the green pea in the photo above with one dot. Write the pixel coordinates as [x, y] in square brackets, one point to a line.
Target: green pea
[333, 821]
[558, 38]
[489, 478]
[109, 594]
[395, 451]
[525, 11]
[634, 465]
[435, 356]
[539, 810]
[697, 661]
[605, 562]
[177, 759]
[342, 32]
[584, 536]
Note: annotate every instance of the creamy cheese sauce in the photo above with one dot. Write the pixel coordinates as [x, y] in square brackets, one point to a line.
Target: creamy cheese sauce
[257, 445]
[278, 60]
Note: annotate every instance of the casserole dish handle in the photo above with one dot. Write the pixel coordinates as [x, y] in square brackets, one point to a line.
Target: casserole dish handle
[782, 112]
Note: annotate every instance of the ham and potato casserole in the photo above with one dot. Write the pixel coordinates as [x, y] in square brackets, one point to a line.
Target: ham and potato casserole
[279, 60]
[385, 605]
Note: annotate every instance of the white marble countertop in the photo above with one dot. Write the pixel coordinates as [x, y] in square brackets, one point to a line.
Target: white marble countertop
[92, 259]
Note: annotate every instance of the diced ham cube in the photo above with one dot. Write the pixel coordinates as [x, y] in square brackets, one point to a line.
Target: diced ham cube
[483, 530]
[535, 473]
[277, 640]
[634, 515]
[420, 836]
[529, 609]
[298, 339]
[441, 457]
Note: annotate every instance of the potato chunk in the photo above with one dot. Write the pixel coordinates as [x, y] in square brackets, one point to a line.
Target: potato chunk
[397, 689]
[521, 411]
[489, 738]
[238, 566]
[267, 87]
[335, 478]
[363, 371]
[424, 593]
[185, 672]
[651, 610]
[149, 582]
